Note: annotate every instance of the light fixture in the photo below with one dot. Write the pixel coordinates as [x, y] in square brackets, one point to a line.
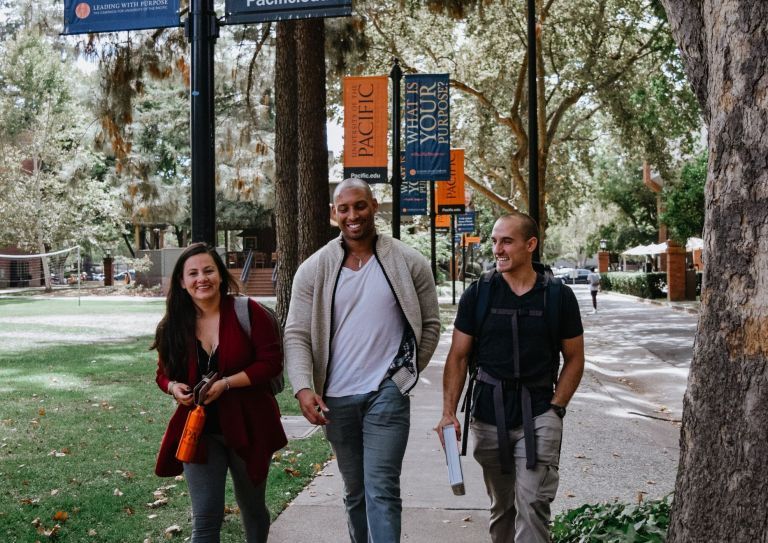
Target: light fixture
[603, 245]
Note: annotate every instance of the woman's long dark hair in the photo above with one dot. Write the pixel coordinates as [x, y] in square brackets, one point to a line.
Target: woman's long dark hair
[176, 330]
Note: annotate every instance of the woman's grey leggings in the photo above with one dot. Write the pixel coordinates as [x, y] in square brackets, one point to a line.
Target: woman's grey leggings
[206, 484]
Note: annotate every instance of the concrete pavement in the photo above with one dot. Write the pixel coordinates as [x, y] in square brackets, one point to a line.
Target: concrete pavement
[620, 440]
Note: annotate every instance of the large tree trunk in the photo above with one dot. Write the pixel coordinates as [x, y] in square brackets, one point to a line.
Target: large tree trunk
[722, 482]
[286, 177]
[314, 225]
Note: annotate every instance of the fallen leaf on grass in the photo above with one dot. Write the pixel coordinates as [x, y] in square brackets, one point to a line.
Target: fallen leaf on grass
[292, 472]
[152, 516]
[117, 492]
[317, 467]
[92, 532]
[42, 530]
[54, 491]
[171, 531]
[29, 501]
[61, 516]
[231, 510]
[41, 411]
[128, 511]
[58, 454]
[158, 503]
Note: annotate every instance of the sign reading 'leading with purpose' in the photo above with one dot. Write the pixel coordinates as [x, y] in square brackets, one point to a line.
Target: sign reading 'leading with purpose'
[85, 16]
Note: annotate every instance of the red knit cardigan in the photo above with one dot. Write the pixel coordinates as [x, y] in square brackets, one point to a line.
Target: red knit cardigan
[249, 417]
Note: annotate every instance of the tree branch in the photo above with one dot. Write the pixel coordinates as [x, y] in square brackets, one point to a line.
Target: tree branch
[251, 67]
[491, 196]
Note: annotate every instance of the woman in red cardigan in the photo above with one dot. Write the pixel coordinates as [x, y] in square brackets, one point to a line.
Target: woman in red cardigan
[200, 333]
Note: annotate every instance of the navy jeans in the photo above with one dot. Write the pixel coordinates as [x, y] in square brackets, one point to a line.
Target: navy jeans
[206, 484]
[369, 433]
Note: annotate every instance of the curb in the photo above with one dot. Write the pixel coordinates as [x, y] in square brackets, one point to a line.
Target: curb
[676, 306]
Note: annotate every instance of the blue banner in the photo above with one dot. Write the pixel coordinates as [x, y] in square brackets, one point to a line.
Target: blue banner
[413, 194]
[260, 11]
[85, 16]
[427, 127]
[465, 223]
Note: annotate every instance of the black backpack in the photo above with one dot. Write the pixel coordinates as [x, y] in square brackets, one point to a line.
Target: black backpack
[243, 312]
[482, 304]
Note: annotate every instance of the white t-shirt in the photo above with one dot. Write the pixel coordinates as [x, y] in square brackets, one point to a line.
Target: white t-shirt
[368, 329]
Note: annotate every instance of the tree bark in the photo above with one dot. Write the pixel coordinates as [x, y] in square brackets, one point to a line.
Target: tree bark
[313, 198]
[721, 482]
[286, 171]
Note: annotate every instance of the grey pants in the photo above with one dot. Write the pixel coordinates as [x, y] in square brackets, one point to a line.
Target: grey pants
[206, 484]
[520, 501]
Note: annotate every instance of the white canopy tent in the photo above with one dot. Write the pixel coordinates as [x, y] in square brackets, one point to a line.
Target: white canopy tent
[655, 249]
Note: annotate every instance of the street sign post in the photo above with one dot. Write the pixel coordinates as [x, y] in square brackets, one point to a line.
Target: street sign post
[201, 29]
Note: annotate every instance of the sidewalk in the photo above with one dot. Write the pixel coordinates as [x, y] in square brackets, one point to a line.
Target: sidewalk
[620, 439]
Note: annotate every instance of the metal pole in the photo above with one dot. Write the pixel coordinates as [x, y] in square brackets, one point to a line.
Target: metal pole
[463, 263]
[533, 125]
[453, 258]
[432, 217]
[202, 30]
[396, 75]
[79, 274]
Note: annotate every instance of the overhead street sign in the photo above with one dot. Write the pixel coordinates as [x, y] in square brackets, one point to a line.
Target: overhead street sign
[86, 16]
[260, 11]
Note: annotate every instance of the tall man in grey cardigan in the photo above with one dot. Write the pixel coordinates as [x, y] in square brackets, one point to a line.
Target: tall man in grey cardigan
[363, 322]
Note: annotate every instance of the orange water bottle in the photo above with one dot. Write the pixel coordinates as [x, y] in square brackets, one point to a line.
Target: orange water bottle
[193, 429]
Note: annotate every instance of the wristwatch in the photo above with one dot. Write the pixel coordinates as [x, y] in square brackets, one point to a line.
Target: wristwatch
[558, 409]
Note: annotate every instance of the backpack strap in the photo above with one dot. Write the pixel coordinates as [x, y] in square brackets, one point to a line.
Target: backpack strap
[482, 301]
[243, 313]
[552, 308]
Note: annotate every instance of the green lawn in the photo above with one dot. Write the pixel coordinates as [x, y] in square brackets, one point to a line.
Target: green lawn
[80, 426]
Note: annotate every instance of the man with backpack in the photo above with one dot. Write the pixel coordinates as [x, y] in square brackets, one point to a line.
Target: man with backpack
[511, 326]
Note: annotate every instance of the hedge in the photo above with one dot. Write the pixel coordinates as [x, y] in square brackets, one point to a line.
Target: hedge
[644, 285]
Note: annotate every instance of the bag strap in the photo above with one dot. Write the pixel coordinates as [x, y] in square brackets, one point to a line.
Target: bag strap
[243, 313]
[552, 309]
[482, 300]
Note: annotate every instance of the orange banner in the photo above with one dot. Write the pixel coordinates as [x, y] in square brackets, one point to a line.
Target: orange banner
[450, 194]
[471, 239]
[366, 109]
[442, 222]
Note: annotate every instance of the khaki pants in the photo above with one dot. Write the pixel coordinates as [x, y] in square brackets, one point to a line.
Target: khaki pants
[520, 501]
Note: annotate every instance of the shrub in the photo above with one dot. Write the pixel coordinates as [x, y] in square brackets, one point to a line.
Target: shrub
[644, 285]
[614, 523]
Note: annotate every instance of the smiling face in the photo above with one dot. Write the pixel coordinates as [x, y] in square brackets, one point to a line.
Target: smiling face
[201, 279]
[510, 248]
[355, 210]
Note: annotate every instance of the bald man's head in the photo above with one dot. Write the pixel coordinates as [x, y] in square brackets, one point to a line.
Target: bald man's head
[351, 183]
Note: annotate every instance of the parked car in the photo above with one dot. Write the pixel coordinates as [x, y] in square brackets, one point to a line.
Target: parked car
[121, 276]
[567, 275]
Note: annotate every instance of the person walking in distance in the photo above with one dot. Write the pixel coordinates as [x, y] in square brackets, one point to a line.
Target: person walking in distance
[363, 322]
[513, 323]
[594, 286]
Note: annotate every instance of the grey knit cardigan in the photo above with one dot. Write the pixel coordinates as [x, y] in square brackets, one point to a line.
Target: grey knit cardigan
[307, 336]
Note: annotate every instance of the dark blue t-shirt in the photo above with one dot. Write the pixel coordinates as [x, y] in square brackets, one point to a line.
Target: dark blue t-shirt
[495, 344]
